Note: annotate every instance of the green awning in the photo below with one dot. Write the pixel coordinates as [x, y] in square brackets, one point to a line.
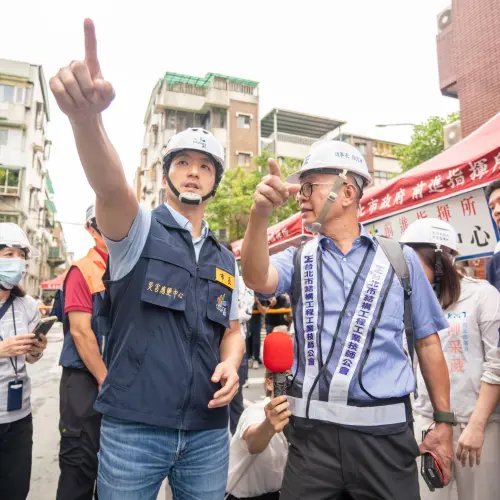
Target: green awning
[48, 181]
[49, 205]
[206, 81]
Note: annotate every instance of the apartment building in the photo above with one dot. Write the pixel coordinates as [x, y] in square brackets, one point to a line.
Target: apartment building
[468, 47]
[379, 155]
[26, 191]
[226, 106]
[289, 134]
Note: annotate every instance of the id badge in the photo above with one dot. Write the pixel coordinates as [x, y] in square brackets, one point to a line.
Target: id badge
[15, 396]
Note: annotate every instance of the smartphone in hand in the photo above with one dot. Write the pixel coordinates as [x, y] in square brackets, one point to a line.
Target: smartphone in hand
[43, 326]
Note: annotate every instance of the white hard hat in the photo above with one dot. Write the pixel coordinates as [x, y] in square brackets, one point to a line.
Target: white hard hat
[334, 156]
[12, 236]
[90, 214]
[197, 139]
[433, 232]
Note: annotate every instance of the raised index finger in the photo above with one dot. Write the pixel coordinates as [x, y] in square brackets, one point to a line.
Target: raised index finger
[91, 47]
[274, 169]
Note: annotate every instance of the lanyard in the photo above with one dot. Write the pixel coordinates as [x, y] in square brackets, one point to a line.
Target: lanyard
[10, 302]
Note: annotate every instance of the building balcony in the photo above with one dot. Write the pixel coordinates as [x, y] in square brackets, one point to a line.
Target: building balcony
[191, 99]
[217, 97]
[290, 145]
[12, 114]
[10, 157]
[56, 257]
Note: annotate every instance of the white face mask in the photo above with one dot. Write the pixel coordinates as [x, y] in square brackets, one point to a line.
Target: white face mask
[12, 271]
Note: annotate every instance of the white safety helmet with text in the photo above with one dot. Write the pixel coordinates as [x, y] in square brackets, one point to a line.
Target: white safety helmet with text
[12, 236]
[333, 157]
[195, 139]
[436, 234]
[432, 232]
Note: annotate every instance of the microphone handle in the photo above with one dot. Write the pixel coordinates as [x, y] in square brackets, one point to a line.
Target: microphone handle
[279, 382]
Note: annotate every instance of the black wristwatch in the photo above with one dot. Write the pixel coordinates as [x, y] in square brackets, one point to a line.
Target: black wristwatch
[445, 417]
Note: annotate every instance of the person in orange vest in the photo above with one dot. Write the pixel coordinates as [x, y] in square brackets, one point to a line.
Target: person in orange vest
[83, 370]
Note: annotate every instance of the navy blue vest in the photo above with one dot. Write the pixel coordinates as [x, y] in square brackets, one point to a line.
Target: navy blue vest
[69, 354]
[168, 317]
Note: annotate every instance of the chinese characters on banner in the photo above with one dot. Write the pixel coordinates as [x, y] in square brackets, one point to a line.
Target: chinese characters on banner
[430, 185]
[468, 213]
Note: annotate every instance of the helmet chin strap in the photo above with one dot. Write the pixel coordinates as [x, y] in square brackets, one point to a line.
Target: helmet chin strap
[315, 227]
[188, 198]
[438, 271]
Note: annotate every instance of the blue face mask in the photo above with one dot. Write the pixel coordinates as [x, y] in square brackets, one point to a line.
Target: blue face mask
[12, 271]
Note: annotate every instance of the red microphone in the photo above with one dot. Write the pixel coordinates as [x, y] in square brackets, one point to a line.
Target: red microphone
[278, 359]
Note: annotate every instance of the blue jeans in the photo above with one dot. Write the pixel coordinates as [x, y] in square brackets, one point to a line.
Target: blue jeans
[135, 459]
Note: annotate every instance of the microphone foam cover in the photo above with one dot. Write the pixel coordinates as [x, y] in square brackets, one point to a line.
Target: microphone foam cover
[278, 352]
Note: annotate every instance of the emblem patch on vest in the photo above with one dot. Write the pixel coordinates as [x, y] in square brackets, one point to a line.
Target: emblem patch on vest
[222, 304]
[224, 278]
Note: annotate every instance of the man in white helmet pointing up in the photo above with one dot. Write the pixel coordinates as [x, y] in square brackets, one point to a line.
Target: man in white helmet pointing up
[349, 393]
[174, 345]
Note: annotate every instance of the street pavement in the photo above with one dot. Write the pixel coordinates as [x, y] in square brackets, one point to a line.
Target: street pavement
[45, 376]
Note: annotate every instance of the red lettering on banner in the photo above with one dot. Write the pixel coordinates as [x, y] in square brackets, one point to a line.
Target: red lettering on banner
[468, 206]
[422, 215]
[444, 212]
[389, 233]
[403, 224]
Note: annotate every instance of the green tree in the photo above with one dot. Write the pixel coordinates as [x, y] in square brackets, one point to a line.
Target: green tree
[427, 141]
[230, 209]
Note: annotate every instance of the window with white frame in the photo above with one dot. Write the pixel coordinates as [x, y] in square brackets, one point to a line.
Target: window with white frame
[244, 121]
[7, 93]
[11, 93]
[10, 181]
[243, 159]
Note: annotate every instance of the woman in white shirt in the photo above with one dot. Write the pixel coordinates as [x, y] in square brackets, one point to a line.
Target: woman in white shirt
[19, 315]
[471, 348]
[259, 450]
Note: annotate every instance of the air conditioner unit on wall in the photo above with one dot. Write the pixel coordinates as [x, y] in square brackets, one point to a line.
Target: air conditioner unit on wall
[452, 134]
[444, 19]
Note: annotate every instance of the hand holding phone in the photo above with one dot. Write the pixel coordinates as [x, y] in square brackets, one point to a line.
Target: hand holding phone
[43, 326]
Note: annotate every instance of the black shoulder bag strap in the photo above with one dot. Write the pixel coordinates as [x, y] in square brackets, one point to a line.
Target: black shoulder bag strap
[395, 255]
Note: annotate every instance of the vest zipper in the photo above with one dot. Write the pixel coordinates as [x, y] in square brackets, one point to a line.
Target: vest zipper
[191, 344]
